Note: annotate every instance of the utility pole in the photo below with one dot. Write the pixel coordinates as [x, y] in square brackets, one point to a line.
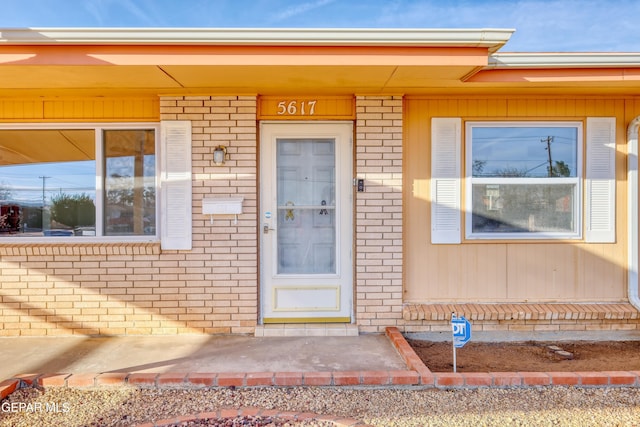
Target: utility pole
[44, 179]
[549, 140]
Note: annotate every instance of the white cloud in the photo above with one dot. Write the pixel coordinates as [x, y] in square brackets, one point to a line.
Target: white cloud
[298, 9]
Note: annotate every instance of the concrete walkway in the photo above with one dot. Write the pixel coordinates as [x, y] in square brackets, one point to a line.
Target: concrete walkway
[240, 361]
[196, 353]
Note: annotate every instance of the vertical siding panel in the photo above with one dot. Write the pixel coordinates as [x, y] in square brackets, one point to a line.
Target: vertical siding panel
[417, 161]
[87, 109]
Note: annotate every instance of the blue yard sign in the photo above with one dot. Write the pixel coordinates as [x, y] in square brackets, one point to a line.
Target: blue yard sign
[461, 331]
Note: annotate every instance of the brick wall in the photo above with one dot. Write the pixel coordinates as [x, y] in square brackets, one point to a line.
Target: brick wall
[137, 288]
[379, 212]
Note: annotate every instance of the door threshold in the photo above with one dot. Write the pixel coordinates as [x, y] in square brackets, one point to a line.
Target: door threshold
[307, 330]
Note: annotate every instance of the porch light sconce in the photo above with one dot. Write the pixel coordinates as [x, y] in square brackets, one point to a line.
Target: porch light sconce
[219, 155]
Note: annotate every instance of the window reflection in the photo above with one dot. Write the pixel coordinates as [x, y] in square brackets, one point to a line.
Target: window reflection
[47, 182]
[524, 152]
[129, 182]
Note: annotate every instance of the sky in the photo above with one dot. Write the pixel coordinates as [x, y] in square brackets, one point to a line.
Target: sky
[541, 25]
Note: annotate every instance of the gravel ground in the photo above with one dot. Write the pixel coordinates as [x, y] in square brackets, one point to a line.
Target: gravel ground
[389, 407]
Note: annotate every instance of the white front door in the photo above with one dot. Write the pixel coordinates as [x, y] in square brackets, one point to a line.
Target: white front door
[306, 222]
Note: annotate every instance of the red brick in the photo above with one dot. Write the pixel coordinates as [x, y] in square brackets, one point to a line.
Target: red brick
[506, 379]
[229, 379]
[250, 411]
[183, 419]
[448, 379]
[404, 377]
[405, 349]
[535, 378]
[170, 378]
[111, 378]
[426, 376]
[593, 378]
[142, 378]
[259, 379]
[287, 378]
[288, 415]
[375, 377]
[207, 415]
[621, 378]
[229, 413]
[202, 378]
[478, 379]
[317, 378]
[346, 378]
[304, 416]
[414, 362]
[564, 378]
[81, 380]
[7, 387]
[53, 380]
[165, 422]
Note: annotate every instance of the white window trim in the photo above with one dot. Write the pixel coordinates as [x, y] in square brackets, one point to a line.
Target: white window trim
[98, 128]
[578, 181]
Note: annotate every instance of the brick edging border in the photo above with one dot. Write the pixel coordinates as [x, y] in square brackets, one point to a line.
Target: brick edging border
[508, 379]
[254, 412]
[224, 379]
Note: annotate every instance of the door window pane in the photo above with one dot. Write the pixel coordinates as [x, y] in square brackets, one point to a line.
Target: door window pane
[306, 230]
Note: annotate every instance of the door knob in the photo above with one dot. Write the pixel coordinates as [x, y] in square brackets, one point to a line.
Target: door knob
[266, 228]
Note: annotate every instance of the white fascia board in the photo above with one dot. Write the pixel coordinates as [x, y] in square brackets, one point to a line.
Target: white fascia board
[563, 60]
[493, 39]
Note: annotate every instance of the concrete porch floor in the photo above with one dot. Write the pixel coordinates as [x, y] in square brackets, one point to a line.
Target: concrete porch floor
[196, 353]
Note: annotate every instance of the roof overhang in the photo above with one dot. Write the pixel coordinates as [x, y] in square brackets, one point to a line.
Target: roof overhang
[596, 72]
[155, 61]
[241, 61]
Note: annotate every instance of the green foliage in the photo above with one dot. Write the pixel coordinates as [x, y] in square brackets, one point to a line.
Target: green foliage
[73, 210]
[560, 169]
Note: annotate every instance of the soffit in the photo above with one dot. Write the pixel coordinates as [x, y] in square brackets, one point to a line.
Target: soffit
[244, 69]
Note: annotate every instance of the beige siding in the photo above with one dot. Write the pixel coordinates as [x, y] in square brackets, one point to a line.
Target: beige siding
[79, 109]
[507, 271]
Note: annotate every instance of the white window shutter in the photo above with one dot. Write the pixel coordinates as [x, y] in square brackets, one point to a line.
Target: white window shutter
[600, 183]
[445, 180]
[175, 184]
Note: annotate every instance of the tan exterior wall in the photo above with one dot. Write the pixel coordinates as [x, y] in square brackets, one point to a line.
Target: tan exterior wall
[378, 226]
[503, 271]
[137, 288]
[79, 109]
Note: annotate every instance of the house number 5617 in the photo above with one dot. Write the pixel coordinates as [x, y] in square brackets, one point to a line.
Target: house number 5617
[292, 108]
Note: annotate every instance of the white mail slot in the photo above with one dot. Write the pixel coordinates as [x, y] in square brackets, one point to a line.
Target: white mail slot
[222, 206]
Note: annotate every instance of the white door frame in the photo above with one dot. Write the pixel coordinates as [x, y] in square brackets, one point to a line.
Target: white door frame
[321, 297]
